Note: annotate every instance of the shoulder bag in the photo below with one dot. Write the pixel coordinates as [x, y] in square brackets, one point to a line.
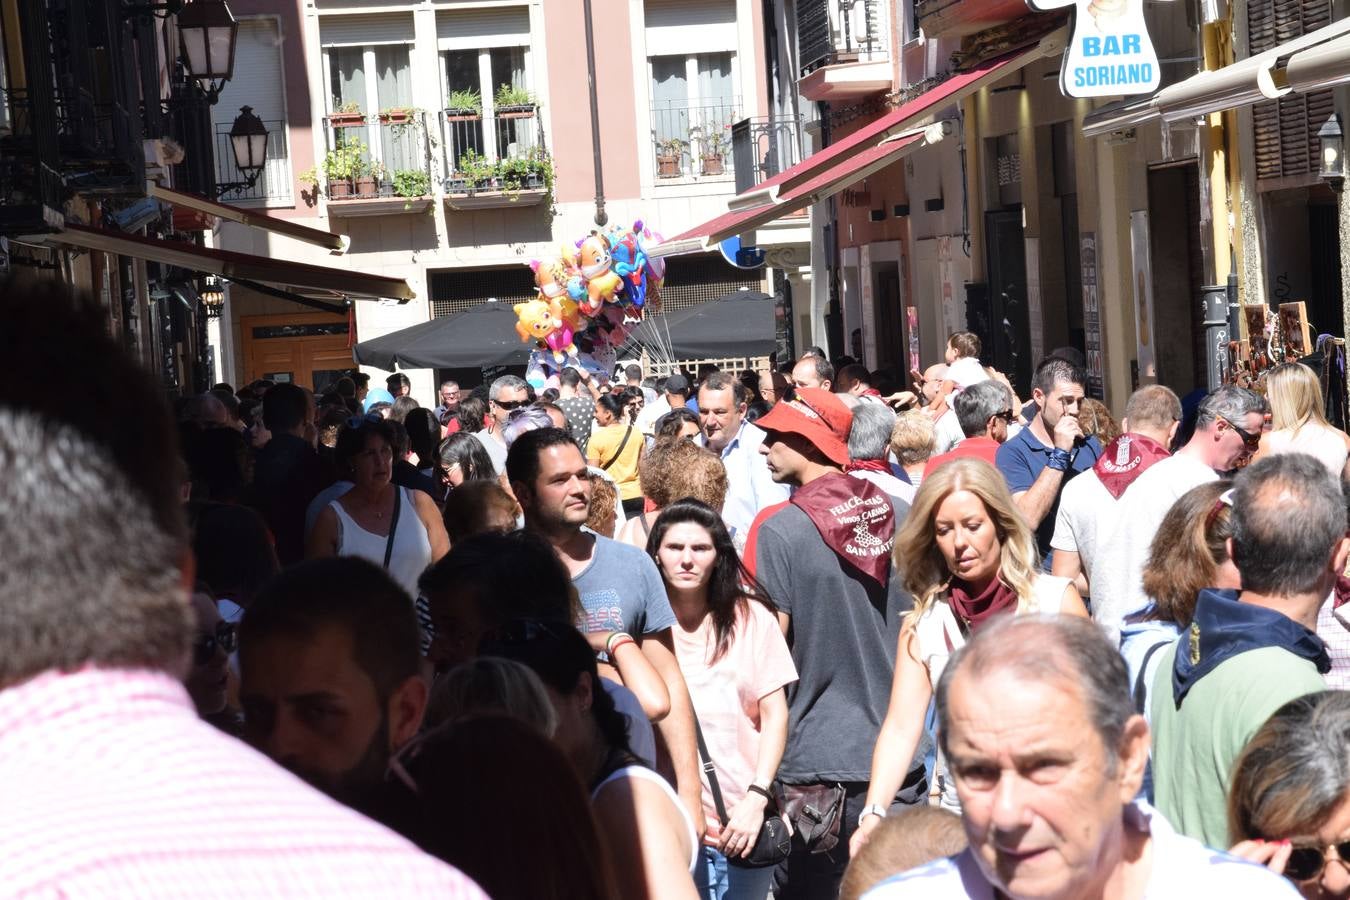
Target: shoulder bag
[623, 443]
[775, 837]
[393, 526]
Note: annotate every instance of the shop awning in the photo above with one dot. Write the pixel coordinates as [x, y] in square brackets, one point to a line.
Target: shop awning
[252, 217]
[1318, 59]
[852, 158]
[231, 265]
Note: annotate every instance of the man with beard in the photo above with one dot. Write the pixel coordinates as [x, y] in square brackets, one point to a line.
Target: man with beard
[330, 684]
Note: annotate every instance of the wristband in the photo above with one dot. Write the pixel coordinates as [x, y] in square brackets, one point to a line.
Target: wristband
[871, 809]
[1058, 460]
[762, 791]
[617, 640]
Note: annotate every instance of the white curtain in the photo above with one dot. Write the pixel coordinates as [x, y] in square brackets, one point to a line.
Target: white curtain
[670, 98]
[346, 67]
[401, 144]
[716, 101]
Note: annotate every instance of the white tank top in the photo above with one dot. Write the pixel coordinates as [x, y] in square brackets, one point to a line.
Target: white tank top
[412, 547]
[1325, 444]
[648, 775]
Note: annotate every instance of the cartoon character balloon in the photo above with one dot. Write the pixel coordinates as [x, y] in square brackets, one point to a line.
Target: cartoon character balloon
[596, 264]
[630, 264]
[551, 275]
[534, 320]
[566, 323]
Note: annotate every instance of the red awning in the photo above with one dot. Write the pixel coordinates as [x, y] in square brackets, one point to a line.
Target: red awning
[231, 265]
[852, 158]
[255, 218]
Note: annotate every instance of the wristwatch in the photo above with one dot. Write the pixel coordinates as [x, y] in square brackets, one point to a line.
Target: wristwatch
[871, 809]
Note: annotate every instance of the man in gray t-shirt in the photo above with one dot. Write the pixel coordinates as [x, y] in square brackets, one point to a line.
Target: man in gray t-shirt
[619, 586]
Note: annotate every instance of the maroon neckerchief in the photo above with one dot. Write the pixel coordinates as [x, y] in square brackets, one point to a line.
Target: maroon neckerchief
[854, 518]
[1341, 592]
[972, 612]
[868, 465]
[1125, 459]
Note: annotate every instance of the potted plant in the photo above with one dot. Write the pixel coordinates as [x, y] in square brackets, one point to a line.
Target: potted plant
[513, 102]
[412, 183]
[368, 180]
[669, 152]
[348, 115]
[473, 172]
[464, 106]
[713, 147]
[396, 115]
[341, 167]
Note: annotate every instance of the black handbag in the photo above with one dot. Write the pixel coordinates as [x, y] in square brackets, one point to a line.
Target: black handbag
[775, 837]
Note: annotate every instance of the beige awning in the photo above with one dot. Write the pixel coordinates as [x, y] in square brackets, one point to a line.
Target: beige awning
[251, 217]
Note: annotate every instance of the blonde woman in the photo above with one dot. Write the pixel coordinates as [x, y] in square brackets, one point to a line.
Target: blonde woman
[1297, 423]
[967, 557]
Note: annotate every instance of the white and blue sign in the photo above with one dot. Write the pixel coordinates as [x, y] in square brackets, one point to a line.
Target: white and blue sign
[1110, 54]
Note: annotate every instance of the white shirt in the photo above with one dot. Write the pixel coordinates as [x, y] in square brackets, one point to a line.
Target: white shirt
[750, 488]
[900, 490]
[948, 432]
[651, 412]
[1182, 869]
[965, 372]
[1117, 582]
[1086, 508]
[496, 450]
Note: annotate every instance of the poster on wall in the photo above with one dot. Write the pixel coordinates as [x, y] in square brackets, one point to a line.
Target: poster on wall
[912, 329]
[869, 312]
[1092, 321]
[1143, 296]
[1110, 54]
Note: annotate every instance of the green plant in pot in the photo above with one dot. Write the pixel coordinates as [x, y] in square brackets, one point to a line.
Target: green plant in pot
[509, 99]
[412, 183]
[668, 155]
[342, 166]
[347, 115]
[368, 180]
[462, 105]
[476, 170]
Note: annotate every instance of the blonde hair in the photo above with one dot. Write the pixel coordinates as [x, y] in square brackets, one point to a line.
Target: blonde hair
[902, 842]
[672, 472]
[1096, 420]
[913, 437]
[603, 499]
[1295, 396]
[917, 557]
[487, 685]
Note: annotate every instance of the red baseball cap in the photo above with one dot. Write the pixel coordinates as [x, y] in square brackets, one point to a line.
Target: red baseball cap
[817, 415]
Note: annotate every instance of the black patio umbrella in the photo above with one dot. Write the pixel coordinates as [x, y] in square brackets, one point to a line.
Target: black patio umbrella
[483, 335]
[737, 324]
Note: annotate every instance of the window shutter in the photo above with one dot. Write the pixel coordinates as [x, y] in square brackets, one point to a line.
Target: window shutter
[473, 29]
[676, 27]
[1286, 146]
[365, 30]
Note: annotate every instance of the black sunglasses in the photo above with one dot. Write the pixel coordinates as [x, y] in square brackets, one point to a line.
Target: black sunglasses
[1007, 415]
[224, 637]
[1307, 863]
[1251, 440]
[509, 405]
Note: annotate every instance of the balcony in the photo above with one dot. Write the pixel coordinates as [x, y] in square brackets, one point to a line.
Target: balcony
[956, 18]
[692, 143]
[844, 49]
[375, 165]
[274, 186]
[763, 146]
[494, 160]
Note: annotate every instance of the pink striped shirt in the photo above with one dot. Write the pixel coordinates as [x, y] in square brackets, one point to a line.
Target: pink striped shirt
[110, 786]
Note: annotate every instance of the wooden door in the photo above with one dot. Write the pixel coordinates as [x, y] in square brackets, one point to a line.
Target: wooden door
[308, 349]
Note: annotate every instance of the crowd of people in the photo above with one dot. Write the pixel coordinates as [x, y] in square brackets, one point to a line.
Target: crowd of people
[788, 634]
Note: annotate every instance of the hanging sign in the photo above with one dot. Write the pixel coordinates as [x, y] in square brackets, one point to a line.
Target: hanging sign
[1110, 54]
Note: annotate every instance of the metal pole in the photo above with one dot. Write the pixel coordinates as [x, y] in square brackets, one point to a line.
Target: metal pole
[601, 217]
[1214, 301]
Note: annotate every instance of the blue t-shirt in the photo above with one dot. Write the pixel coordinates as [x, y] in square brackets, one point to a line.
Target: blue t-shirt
[621, 590]
[1022, 458]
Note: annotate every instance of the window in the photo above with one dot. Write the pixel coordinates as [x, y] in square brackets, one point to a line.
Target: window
[257, 83]
[694, 102]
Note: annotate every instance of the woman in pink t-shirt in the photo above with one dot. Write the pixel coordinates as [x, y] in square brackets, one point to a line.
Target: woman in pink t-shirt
[736, 664]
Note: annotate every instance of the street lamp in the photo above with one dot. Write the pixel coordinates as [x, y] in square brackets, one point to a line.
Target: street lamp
[248, 141]
[1333, 153]
[212, 294]
[207, 32]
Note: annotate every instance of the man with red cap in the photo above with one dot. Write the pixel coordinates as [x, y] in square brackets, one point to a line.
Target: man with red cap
[825, 559]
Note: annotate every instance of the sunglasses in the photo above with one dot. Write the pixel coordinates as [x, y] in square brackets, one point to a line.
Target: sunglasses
[509, 405]
[1251, 440]
[224, 637]
[1307, 863]
[1007, 415]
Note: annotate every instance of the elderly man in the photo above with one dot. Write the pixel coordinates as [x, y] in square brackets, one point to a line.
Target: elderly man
[722, 401]
[1247, 653]
[1036, 721]
[869, 444]
[984, 411]
[507, 393]
[1227, 432]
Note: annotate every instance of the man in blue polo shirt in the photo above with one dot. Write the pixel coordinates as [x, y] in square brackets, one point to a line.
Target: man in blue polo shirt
[1041, 458]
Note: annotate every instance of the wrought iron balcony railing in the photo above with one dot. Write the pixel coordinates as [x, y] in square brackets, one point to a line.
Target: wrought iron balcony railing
[694, 140]
[380, 156]
[274, 185]
[763, 146]
[830, 32]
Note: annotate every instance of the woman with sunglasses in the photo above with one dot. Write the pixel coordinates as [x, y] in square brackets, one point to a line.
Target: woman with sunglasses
[1297, 422]
[737, 666]
[393, 527]
[967, 557]
[208, 679]
[616, 446]
[1289, 800]
[646, 829]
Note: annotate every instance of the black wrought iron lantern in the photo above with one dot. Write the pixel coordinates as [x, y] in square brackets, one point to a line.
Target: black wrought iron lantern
[248, 139]
[1332, 146]
[207, 32]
